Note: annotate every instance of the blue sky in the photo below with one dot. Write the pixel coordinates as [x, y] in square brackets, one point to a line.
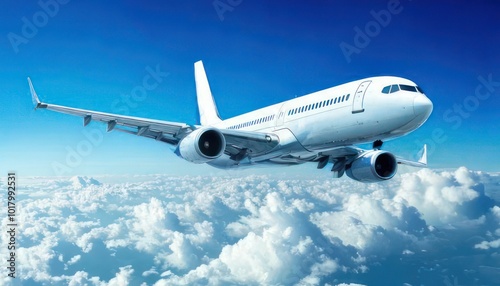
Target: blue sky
[93, 54]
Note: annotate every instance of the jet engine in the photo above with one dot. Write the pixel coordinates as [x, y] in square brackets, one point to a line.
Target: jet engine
[373, 166]
[202, 145]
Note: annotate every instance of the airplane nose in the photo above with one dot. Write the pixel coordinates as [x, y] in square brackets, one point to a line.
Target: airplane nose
[422, 106]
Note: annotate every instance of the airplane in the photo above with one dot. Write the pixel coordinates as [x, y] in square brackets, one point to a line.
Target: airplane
[322, 127]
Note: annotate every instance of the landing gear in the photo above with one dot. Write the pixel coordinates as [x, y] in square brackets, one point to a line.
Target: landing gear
[377, 144]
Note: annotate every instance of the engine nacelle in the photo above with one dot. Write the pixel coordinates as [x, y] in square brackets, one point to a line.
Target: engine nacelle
[202, 145]
[373, 166]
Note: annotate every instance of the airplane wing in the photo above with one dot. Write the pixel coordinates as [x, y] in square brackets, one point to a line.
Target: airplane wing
[169, 132]
[238, 143]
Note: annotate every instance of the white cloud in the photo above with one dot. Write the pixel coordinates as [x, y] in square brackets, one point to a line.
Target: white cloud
[122, 278]
[256, 229]
[79, 278]
[439, 196]
[253, 259]
[36, 259]
[82, 182]
[326, 267]
[74, 259]
[496, 212]
[181, 253]
[149, 272]
[488, 244]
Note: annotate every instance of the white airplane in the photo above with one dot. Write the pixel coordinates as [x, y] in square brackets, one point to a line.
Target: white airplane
[320, 127]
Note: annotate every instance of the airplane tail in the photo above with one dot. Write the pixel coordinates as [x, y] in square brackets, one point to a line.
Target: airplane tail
[206, 104]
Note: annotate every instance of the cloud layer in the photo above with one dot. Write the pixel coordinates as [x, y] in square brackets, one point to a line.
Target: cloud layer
[418, 228]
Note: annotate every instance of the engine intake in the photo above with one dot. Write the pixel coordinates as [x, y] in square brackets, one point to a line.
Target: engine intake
[373, 166]
[202, 145]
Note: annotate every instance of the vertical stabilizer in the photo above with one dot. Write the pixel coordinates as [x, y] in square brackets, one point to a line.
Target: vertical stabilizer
[206, 103]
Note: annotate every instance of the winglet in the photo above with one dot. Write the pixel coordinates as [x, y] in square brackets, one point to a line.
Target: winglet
[421, 163]
[423, 158]
[34, 96]
[206, 104]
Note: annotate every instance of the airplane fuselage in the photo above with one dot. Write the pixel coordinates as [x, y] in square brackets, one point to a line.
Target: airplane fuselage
[353, 113]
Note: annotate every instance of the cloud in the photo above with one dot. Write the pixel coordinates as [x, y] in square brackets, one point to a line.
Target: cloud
[182, 253]
[35, 259]
[74, 259]
[83, 182]
[442, 197]
[255, 230]
[488, 244]
[122, 278]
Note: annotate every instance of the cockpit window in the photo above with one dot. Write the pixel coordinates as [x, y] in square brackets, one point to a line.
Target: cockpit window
[398, 87]
[408, 87]
[394, 88]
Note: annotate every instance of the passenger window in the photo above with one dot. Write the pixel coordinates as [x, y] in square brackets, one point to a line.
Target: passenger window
[347, 97]
[386, 89]
[343, 97]
[394, 88]
[335, 101]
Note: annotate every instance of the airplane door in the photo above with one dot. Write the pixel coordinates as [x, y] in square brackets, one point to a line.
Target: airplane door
[357, 103]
